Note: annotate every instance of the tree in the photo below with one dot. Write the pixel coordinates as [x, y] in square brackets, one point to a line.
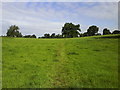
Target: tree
[27, 36]
[33, 36]
[18, 34]
[46, 35]
[85, 34]
[58, 36]
[30, 36]
[116, 32]
[92, 30]
[13, 31]
[106, 31]
[70, 30]
[53, 35]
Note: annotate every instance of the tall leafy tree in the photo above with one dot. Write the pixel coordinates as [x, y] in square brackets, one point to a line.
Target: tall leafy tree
[106, 31]
[70, 30]
[13, 31]
[92, 30]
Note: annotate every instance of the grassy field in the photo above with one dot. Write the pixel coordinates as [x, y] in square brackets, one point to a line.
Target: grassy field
[85, 62]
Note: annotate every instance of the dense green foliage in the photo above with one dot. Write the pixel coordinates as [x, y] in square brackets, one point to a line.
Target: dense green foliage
[13, 31]
[30, 36]
[47, 35]
[70, 30]
[106, 31]
[86, 62]
[92, 30]
[116, 32]
[53, 35]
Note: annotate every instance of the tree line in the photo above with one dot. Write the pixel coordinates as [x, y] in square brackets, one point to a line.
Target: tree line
[69, 30]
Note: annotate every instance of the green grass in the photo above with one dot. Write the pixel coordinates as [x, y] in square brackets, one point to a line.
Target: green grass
[56, 63]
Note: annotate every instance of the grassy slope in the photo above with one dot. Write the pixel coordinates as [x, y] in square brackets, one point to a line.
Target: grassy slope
[46, 63]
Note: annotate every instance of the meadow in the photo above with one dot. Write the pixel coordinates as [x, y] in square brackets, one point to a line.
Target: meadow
[86, 62]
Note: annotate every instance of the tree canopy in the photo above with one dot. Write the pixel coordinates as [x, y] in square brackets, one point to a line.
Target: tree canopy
[30, 36]
[106, 31]
[13, 31]
[116, 32]
[47, 35]
[92, 30]
[70, 30]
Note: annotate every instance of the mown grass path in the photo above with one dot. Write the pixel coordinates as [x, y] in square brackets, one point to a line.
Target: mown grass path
[59, 78]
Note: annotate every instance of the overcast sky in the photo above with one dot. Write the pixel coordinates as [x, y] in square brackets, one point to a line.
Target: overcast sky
[49, 17]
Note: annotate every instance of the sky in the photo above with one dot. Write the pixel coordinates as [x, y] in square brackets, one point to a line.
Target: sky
[49, 17]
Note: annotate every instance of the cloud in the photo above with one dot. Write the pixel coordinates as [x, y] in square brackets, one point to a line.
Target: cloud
[45, 17]
[28, 21]
[99, 11]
